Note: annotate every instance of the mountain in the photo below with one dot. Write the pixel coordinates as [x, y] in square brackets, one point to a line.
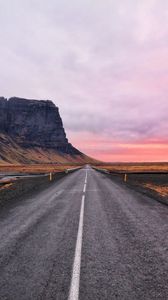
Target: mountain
[31, 131]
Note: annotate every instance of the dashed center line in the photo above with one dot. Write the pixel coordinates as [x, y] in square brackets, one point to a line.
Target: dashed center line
[86, 178]
[84, 189]
[75, 281]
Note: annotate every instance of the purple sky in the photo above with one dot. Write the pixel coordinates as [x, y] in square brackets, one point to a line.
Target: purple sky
[104, 63]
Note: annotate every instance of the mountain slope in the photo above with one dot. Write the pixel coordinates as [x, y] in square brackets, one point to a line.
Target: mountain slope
[31, 131]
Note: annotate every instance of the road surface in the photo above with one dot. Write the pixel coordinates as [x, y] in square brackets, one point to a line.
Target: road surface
[85, 237]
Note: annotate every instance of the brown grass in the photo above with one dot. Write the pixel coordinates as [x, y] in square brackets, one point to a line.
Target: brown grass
[12, 153]
[135, 167]
[35, 169]
[5, 186]
[161, 190]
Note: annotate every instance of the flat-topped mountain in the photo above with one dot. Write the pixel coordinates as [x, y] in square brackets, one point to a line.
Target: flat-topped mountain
[33, 126]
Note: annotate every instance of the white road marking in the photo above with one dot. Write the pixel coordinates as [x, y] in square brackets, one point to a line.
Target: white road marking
[86, 178]
[75, 281]
[74, 288]
[84, 189]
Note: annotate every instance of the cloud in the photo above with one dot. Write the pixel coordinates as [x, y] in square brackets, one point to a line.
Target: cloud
[104, 63]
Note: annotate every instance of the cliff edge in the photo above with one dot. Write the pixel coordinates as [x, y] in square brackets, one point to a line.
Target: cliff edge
[32, 127]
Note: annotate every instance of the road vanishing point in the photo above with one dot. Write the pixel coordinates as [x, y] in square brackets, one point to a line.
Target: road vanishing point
[84, 237]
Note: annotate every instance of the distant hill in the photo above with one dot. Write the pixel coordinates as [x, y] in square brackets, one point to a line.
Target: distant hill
[31, 131]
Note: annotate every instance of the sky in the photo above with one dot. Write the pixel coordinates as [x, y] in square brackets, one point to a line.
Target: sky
[104, 63]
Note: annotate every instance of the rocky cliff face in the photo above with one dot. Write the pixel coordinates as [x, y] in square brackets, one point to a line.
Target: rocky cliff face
[33, 123]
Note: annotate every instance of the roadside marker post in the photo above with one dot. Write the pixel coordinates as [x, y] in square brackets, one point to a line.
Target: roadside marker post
[50, 176]
[125, 178]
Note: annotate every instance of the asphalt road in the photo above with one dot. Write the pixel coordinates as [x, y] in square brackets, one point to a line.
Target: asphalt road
[85, 237]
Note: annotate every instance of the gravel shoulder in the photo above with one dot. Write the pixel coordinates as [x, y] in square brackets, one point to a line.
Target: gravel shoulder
[141, 183]
[26, 187]
[147, 184]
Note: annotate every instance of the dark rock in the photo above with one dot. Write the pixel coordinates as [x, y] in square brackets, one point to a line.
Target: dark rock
[3, 114]
[34, 123]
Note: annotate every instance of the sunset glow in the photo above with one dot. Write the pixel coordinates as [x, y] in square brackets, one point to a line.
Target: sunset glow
[116, 151]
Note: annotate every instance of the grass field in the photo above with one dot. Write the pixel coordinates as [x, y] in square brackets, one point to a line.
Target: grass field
[36, 168]
[135, 167]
